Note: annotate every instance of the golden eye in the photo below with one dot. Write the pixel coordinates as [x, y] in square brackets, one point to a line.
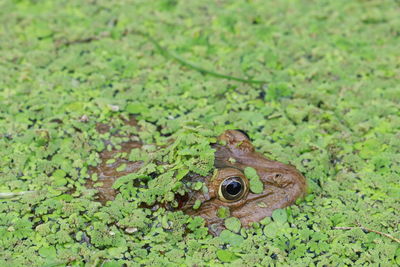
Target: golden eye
[232, 189]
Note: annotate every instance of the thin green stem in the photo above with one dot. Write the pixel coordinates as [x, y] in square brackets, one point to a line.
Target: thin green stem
[182, 61]
[163, 51]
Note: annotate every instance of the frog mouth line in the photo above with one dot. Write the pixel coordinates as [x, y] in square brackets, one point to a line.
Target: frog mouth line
[250, 198]
[256, 197]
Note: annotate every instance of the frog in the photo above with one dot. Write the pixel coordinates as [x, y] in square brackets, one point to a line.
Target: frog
[228, 187]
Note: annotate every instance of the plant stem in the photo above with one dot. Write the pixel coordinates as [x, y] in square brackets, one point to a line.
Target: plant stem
[368, 230]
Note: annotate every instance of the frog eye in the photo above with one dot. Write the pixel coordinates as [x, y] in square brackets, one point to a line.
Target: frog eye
[232, 189]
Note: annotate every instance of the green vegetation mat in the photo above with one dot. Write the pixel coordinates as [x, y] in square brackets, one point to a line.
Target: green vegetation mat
[330, 105]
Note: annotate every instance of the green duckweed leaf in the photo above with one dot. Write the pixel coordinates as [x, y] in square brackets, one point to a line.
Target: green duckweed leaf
[279, 216]
[230, 238]
[256, 185]
[223, 212]
[136, 108]
[233, 224]
[226, 255]
[196, 204]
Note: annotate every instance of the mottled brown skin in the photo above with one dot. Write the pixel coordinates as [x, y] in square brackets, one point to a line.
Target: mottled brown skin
[283, 183]
[108, 174]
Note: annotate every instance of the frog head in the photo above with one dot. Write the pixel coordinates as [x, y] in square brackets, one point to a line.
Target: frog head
[229, 187]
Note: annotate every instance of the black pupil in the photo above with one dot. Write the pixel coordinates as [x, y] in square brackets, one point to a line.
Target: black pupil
[233, 188]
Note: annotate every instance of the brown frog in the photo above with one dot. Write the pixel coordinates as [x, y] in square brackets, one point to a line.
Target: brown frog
[228, 187]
